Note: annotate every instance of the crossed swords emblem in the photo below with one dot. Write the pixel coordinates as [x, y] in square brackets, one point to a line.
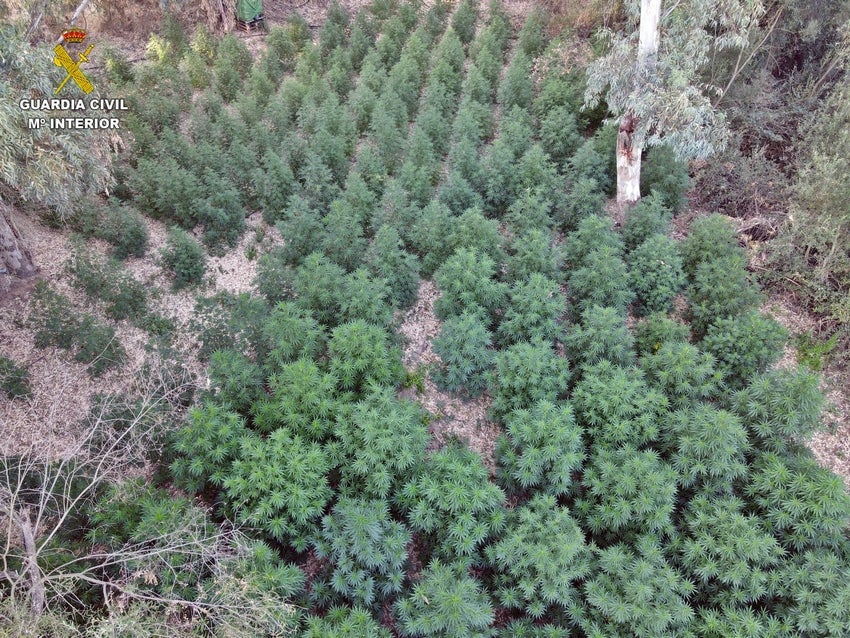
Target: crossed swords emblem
[73, 68]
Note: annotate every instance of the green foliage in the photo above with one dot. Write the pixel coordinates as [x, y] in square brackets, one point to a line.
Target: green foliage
[601, 334]
[14, 379]
[185, 258]
[526, 373]
[646, 218]
[662, 173]
[344, 622]
[636, 594]
[518, 86]
[532, 39]
[467, 283]
[57, 324]
[802, 504]
[710, 238]
[367, 548]
[360, 355]
[656, 330]
[454, 501]
[318, 284]
[627, 491]
[387, 258]
[279, 485]
[448, 603]
[534, 252]
[706, 446]
[366, 297]
[206, 446]
[728, 552]
[593, 232]
[812, 352]
[781, 408]
[721, 289]
[616, 406]
[232, 65]
[678, 369]
[540, 559]
[302, 400]
[238, 382]
[464, 347]
[229, 321]
[744, 346]
[109, 281]
[463, 20]
[559, 135]
[124, 228]
[655, 273]
[290, 333]
[119, 69]
[541, 448]
[382, 443]
[532, 314]
[603, 280]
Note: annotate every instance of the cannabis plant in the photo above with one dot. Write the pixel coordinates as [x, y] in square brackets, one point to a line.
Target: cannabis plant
[744, 346]
[541, 559]
[655, 273]
[533, 311]
[464, 347]
[541, 448]
[601, 334]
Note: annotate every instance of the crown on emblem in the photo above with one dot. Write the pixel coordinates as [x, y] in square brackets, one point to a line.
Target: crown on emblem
[74, 35]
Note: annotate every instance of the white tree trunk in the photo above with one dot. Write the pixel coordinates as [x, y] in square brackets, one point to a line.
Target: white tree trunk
[629, 148]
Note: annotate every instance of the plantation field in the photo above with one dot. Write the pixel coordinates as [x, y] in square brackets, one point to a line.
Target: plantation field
[360, 345]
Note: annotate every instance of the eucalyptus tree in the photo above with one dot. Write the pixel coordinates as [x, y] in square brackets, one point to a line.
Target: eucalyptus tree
[651, 78]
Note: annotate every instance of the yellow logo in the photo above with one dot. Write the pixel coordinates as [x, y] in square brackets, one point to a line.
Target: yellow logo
[63, 59]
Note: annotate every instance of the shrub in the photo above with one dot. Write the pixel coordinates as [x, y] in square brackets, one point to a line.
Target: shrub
[532, 39]
[781, 408]
[446, 602]
[205, 447]
[185, 258]
[124, 228]
[616, 407]
[232, 66]
[601, 334]
[279, 485]
[603, 280]
[464, 347]
[593, 232]
[710, 238]
[525, 374]
[14, 379]
[473, 230]
[646, 218]
[656, 330]
[290, 332]
[584, 199]
[119, 69]
[388, 259]
[342, 622]
[680, 370]
[706, 446]
[230, 321]
[361, 355]
[98, 346]
[467, 283]
[803, 505]
[318, 286]
[302, 226]
[302, 400]
[721, 289]
[54, 319]
[109, 281]
[541, 448]
[559, 135]
[366, 297]
[367, 549]
[727, 552]
[382, 443]
[237, 381]
[536, 304]
[534, 252]
[454, 501]
[463, 20]
[627, 491]
[518, 86]
[342, 240]
[636, 592]
[655, 273]
[662, 173]
[541, 558]
[744, 346]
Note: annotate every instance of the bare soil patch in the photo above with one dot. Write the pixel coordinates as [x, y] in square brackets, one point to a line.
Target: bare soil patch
[455, 417]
